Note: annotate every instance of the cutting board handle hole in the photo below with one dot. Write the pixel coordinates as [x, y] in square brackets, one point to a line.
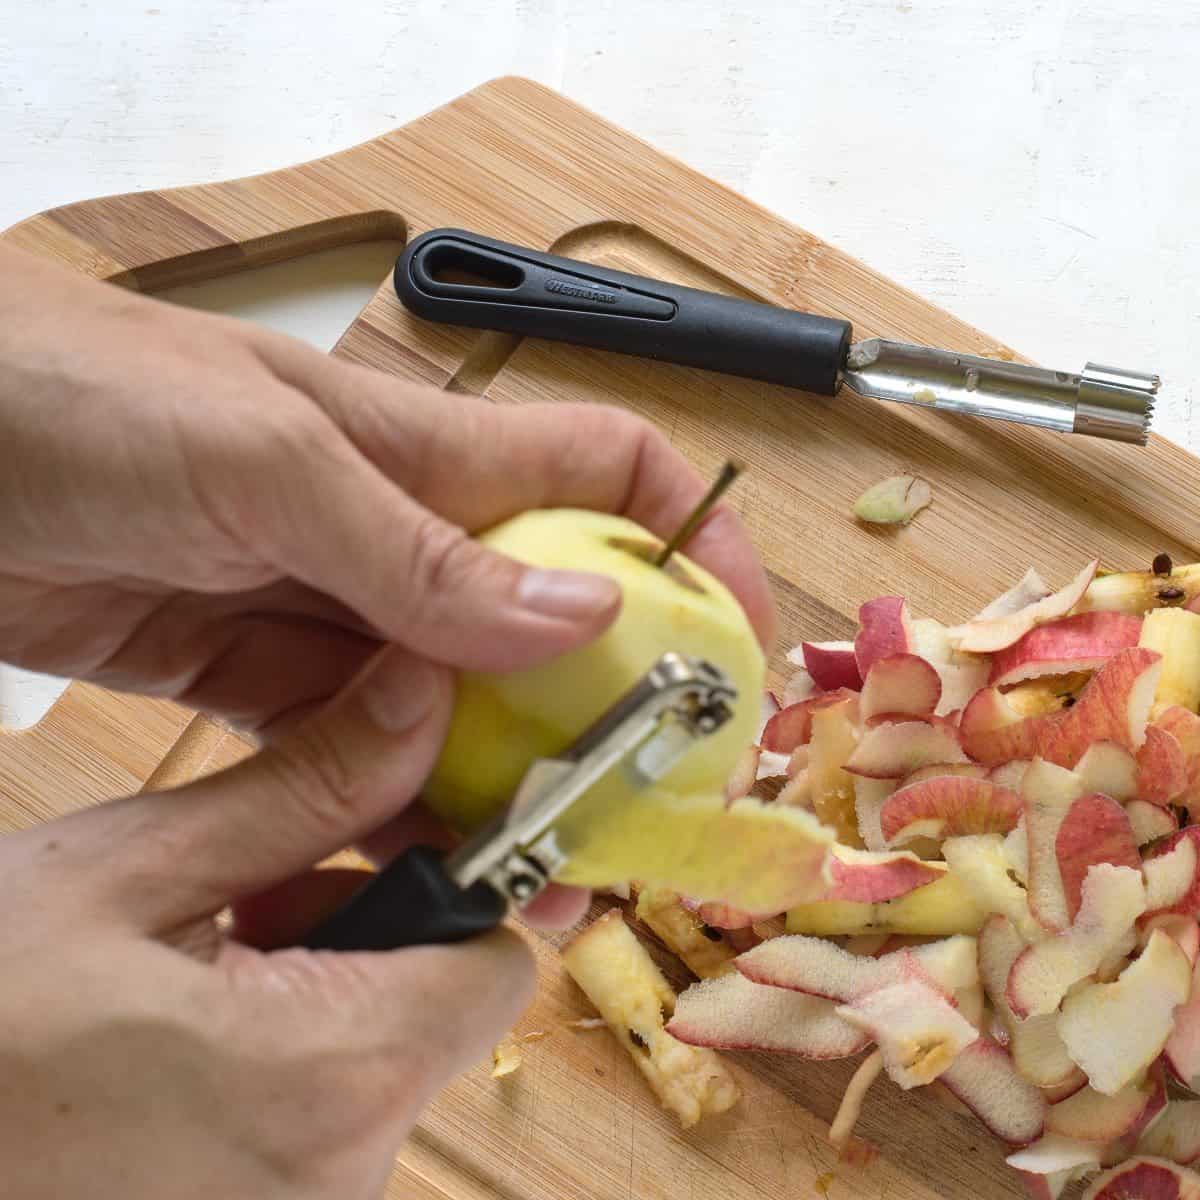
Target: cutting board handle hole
[313, 296]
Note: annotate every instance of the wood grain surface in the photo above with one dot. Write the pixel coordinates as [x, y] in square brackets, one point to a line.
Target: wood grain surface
[516, 161]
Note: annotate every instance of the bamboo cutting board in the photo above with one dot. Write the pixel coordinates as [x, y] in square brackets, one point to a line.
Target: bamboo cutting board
[515, 161]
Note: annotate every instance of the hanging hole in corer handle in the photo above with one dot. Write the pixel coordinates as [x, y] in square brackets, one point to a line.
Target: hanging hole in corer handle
[463, 266]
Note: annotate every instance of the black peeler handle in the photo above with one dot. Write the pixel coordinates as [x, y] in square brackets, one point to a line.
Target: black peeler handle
[412, 902]
[461, 278]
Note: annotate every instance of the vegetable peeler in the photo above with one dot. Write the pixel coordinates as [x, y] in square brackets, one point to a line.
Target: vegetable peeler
[461, 278]
[424, 897]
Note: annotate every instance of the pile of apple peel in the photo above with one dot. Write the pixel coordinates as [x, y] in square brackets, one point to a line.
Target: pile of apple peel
[1010, 910]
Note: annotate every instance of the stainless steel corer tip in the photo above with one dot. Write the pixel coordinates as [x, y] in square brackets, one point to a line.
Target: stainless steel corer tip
[1100, 401]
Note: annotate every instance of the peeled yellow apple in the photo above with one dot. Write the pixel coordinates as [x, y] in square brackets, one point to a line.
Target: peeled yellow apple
[503, 722]
[679, 834]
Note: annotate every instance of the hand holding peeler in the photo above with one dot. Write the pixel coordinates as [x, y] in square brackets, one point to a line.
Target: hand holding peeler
[425, 897]
[461, 278]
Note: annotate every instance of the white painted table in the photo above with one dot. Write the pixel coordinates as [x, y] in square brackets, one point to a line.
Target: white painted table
[1031, 165]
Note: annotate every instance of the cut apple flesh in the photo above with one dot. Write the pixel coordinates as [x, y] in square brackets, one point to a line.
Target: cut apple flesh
[980, 864]
[1036, 1049]
[1182, 1051]
[1175, 634]
[1113, 899]
[1114, 1031]
[1184, 931]
[1052, 1153]
[717, 915]
[1029, 589]
[800, 685]
[1048, 793]
[870, 795]
[1109, 769]
[1000, 945]
[796, 792]
[961, 675]
[841, 1128]
[683, 932]
[1040, 1055]
[1150, 822]
[774, 766]
[1016, 852]
[1048, 693]
[972, 1003]
[1175, 1134]
[944, 907]
[994, 732]
[1090, 1116]
[835, 740]
[917, 1030]
[1062, 1091]
[621, 980]
[1172, 870]
[1140, 591]
[732, 1013]
[893, 501]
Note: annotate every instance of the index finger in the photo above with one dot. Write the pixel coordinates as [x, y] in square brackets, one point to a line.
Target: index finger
[477, 463]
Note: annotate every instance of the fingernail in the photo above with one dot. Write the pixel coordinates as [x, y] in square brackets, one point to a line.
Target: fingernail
[572, 595]
[399, 691]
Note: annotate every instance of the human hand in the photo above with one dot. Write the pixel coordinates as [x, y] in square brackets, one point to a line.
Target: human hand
[201, 509]
[146, 1056]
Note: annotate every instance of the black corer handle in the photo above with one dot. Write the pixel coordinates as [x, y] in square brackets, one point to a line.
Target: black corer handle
[461, 278]
[412, 902]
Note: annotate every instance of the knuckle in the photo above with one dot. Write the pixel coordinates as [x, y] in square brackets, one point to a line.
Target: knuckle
[315, 768]
[439, 561]
[616, 427]
[296, 432]
[149, 839]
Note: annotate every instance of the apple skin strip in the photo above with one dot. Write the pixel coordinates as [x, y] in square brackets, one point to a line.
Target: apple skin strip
[757, 857]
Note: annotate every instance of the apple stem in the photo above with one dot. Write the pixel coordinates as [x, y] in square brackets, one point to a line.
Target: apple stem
[729, 472]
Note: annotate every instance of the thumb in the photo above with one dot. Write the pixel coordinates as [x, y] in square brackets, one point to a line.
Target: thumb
[330, 781]
[331, 518]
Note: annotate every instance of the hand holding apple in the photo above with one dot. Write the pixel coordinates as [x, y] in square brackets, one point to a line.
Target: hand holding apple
[225, 516]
